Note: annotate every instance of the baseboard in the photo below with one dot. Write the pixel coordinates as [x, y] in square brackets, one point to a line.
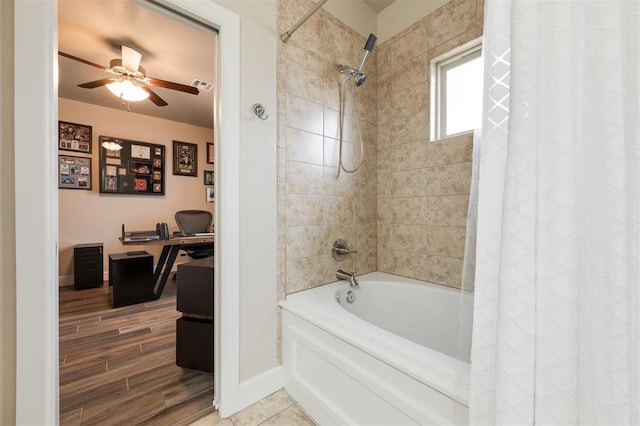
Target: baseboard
[252, 390]
[65, 280]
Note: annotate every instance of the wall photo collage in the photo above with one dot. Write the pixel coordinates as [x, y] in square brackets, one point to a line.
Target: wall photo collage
[74, 172]
[125, 166]
[131, 167]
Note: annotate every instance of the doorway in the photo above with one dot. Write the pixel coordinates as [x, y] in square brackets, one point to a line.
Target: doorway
[36, 115]
[130, 352]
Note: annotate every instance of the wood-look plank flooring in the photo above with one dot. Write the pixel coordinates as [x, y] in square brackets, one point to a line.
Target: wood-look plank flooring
[117, 366]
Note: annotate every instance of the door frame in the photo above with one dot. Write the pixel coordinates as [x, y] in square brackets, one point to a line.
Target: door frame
[36, 204]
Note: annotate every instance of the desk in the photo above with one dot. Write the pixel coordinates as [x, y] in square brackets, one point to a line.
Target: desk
[170, 249]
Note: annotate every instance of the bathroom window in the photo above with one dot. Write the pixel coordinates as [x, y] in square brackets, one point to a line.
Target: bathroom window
[456, 91]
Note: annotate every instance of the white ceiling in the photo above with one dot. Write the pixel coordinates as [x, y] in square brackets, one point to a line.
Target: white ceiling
[378, 5]
[95, 30]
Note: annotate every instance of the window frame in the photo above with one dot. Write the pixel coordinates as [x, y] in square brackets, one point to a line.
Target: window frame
[439, 68]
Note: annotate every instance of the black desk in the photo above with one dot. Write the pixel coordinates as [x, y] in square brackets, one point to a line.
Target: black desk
[170, 249]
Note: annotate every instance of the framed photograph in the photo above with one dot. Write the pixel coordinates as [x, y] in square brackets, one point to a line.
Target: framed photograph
[210, 153]
[74, 137]
[185, 159]
[209, 177]
[210, 194]
[74, 172]
[131, 167]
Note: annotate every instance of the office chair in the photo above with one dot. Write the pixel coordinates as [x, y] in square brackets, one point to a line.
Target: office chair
[191, 222]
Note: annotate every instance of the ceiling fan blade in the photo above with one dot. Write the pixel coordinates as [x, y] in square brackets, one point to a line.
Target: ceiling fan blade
[130, 58]
[153, 97]
[97, 83]
[173, 86]
[84, 61]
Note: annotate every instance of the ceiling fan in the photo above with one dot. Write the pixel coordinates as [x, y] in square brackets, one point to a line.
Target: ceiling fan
[129, 75]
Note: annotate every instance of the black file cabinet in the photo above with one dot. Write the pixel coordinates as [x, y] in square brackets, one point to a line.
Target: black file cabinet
[87, 266]
[131, 278]
[194, 330]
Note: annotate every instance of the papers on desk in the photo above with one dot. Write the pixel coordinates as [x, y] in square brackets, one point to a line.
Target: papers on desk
[178, 235]
[141, 236]
[129, 239]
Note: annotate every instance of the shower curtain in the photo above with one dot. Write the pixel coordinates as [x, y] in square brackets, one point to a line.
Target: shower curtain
[556, 336]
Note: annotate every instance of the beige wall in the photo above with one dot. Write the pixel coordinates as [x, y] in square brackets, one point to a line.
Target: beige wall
[89, 216]
[316, 208]
[423, 187]
[7, 222]
[258, 343]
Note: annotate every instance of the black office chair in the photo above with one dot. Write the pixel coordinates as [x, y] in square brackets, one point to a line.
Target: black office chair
[191, 222]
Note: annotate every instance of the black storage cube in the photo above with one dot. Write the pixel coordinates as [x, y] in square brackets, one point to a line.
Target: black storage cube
[195, 287]
[87, 266]
[131, 278]
[194, 344]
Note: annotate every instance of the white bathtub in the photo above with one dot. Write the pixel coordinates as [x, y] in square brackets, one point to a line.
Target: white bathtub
[388, 358]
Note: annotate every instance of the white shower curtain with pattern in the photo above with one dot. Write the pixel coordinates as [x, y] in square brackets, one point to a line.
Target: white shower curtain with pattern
[556, 336]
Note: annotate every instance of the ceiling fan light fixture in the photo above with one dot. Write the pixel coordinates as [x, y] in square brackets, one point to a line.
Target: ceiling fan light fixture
[127, 90]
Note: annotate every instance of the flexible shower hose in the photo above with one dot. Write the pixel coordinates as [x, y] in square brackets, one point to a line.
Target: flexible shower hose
[354, 113]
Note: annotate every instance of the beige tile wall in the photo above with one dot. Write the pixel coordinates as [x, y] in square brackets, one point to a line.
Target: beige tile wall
[423, 187]
[314, 206]
[405, 209]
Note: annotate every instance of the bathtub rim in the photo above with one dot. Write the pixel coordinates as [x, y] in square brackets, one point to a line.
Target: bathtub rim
[444, 373]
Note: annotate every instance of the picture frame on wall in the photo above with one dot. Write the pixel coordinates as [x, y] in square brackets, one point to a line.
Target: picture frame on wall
[185, 159]
[210, 194]
[131, 167]
[209, 177]
[210, 153]
[74, 137]
[74, 172]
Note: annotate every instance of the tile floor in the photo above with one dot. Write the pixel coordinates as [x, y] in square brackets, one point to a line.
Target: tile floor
[278, 409]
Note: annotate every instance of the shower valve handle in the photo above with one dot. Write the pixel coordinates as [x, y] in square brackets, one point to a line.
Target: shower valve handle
[344, 250]
[340, 250]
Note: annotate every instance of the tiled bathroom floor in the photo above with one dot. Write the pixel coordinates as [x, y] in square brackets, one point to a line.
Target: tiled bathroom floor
[278, 409]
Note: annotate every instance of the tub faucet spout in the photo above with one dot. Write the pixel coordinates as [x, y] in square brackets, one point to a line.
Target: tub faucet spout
[351, 277]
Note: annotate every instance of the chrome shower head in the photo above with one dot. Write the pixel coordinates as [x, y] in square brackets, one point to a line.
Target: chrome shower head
[360, 78]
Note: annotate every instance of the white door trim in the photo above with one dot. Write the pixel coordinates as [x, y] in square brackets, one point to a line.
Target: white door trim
[36, 204]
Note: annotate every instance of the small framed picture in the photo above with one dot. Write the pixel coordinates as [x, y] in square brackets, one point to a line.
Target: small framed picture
[210, 153]
[74, 137]
[209, 177]
[74, 172]
[210, 194]
[185, 158]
